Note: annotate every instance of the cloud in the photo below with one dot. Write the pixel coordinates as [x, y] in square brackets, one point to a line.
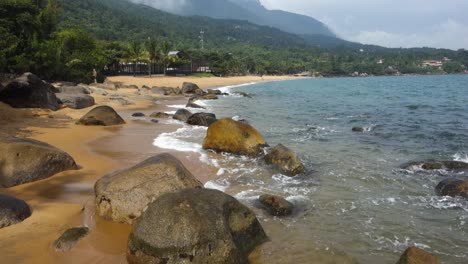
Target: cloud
[169, 5]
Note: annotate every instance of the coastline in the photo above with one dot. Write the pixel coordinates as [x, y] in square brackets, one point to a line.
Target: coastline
[98, 151]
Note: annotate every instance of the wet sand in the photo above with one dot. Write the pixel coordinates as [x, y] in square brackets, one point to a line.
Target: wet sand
[67, 199]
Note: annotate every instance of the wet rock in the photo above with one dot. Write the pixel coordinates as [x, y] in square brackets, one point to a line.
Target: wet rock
[160, 115]
[190, 88]
[145, 89]
[158, 90]
[195, 226]
[75, 101]
[437, 165]
[243, 94]
[124, 195]
[101, 116]
[24, 160]
[227, 135]
[201, 119]
[138, 114]
[358, 129]
[60, 117]
[28, 91]
[12, 210]
[182, 115]
[155, 121]
[120, 99]
[414, 255]
[132, 86]
[69, 238]
[194, 105]
[214, 91]
[276, 205]
[285, 159]
[452, 187]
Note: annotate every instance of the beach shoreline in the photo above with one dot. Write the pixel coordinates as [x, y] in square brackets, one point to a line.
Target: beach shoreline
[98, 151]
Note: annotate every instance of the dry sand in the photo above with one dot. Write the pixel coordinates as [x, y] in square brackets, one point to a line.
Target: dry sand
[67, 199]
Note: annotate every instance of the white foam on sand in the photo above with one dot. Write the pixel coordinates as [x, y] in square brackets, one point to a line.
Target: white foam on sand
[176, 106]
[215, 186]
[174, 140]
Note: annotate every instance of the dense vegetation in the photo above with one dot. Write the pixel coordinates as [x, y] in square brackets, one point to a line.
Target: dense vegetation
[68, 40]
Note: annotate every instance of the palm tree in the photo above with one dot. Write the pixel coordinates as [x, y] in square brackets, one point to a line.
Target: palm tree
[135, 53]
[165, 48]
[153, 52]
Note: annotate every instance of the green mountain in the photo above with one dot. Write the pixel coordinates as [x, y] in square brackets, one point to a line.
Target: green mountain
[125, 21]
[250, 10]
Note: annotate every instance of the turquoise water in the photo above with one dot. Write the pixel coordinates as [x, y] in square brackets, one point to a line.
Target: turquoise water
[355, 205]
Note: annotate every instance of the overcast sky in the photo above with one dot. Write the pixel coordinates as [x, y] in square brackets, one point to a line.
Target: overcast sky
[390, 23]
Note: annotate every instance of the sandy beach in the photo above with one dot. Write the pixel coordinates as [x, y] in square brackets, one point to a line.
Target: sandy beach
[67, 199]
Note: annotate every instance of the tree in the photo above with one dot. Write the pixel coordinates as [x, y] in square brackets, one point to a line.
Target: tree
[153, 52]
[135, 53]
[166, 60]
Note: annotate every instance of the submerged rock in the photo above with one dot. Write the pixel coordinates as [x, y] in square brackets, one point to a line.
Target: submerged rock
[182, 115]
[285, 159]
[160, 115]
[243, 94]
[276, 205]
[227, 135]
[12, 210]
[124, 195]
[101, 116]
[414, 255]
[452, 187]
[201, 119]
[75, 101]
[195, 226]
[70, 237]
[437, 165]
[358, 129]
[24, 160]
[28, 91]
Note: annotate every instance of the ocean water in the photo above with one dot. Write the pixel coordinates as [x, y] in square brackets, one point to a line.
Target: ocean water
[354, 204]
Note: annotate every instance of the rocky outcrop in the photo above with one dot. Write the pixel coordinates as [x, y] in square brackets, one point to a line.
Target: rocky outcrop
[69, 238]
[414, 255]
[101, 116]
[99, 91]
[25, 160]
[194, 105]
[190, 88]
[452, 187]
[28, 91]
[437, 165]
[124, 195]
[276, 205]
[160, 115]
[243, 94]
[285, 159]
[203, 97]
[75, 101]
[182, 115]
[195, 226]
[227, 135]
[201, 119]
[12, 210]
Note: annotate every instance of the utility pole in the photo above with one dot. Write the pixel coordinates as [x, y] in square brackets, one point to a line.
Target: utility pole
[202, 39]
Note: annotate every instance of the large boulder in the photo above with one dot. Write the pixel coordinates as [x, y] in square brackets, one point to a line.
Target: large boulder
[101, 116]
[195, 226]
[12, 210]
[276, 205]
[452, 187]
[227, 135]
[28, 91]
[74, 89]
[182, 115]
[69, 238]
[25, 160]
[285, 159]
[124, 195]
[75, 101]
[201, 119]
[190, 88]
[414, 255]
[437, 165]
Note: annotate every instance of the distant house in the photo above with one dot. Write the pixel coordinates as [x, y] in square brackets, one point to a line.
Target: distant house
[432, 63]
[381, 61]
